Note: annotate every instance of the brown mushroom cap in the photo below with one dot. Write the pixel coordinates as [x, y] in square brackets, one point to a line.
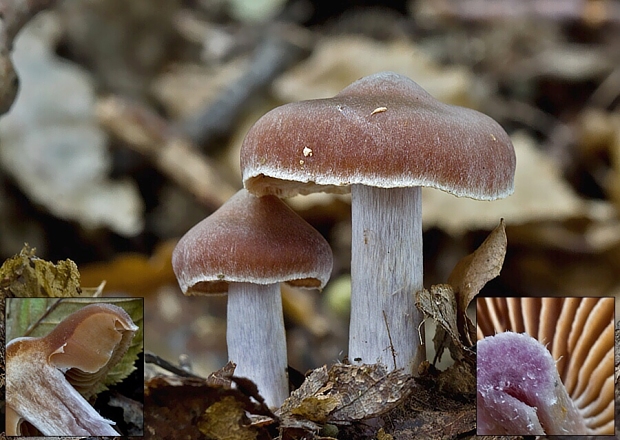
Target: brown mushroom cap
[579, 333]
[385, 131]
[251, 239]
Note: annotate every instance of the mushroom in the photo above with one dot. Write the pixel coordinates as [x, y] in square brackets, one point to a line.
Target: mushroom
[381, 138]
[578, 334]
[48, 378]
[246, 248]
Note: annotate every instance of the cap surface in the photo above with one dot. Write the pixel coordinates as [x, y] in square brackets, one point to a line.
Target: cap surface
[251, 239]
[385, 131]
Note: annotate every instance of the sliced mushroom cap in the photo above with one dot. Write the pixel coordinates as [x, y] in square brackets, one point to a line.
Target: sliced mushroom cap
[579, 334]
[84, 346]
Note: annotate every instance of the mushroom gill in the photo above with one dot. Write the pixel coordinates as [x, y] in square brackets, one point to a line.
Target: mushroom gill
[579, 334]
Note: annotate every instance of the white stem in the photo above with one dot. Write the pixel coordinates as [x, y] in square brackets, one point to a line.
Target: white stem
[256, 339]
[39, 393]
[386, 271]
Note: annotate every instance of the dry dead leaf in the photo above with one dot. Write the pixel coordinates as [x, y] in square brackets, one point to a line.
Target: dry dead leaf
[336, 62]
[310, 387]
[459, 379]
[52, 145]
[343, 395]
[316, 408]
[430, 414]
[367, 391]
[226, 420]
[439, 303]
[27, 276]
[136, 274]
[447, 303]
[540, 194]
[182, 407]
[478, 268]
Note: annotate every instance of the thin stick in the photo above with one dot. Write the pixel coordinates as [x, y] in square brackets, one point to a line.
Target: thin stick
[387, 327]
[152, 136]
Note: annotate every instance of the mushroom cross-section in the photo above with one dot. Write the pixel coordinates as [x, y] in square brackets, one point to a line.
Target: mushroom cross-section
[44, 375]
[246, 248]
[383, 137]
[578, 336]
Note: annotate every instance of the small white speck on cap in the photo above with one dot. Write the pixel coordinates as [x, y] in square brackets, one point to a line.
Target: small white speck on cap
[379, 110]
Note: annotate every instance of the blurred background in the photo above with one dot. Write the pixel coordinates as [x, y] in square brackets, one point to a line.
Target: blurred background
[127, 128]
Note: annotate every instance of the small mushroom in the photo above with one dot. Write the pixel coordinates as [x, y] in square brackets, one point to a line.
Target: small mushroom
[246, 248]
[381, 138]
[48, 377]
[578, 333]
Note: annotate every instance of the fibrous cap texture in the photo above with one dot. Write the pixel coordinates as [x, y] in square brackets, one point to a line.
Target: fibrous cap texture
[254, 240]
[385, 131]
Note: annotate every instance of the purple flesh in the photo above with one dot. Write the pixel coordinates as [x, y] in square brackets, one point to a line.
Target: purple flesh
[520, 391]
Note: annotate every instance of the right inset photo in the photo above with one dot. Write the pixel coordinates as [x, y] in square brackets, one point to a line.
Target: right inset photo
[545, 366]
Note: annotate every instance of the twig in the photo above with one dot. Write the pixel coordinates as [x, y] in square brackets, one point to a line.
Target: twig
[390, 339]
[150, 135]
[151, 358]
[14, 14]
[50, 309]
[283, 46]
[607, 92]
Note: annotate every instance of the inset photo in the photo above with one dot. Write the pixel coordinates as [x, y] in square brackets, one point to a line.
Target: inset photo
[74, 367]
[545, 366]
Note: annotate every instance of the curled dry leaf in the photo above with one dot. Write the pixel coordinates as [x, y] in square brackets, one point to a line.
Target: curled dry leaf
[447, 303]
[478, 268]
[439, 303]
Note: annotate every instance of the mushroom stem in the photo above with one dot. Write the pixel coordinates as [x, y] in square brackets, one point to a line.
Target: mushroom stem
[45, 397]
[386, 271]
[256, 339]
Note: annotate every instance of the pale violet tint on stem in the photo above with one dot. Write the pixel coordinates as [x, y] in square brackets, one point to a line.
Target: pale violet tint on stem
[520, 391]
[381, 138]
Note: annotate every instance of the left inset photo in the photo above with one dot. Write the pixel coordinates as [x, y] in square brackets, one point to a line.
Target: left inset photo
[74, 366]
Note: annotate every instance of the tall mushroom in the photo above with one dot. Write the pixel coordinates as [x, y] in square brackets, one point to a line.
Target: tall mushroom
[246, 248]
[382, 138]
